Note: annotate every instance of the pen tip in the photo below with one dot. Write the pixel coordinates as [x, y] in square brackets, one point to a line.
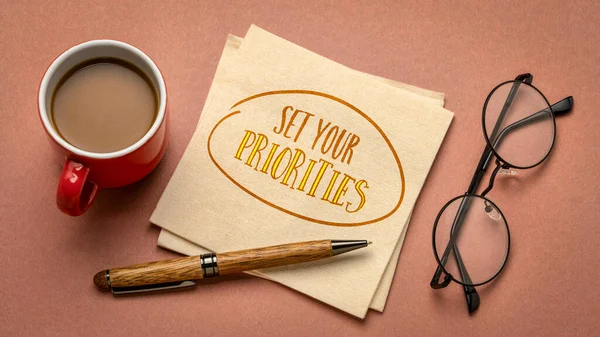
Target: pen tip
[369, 242]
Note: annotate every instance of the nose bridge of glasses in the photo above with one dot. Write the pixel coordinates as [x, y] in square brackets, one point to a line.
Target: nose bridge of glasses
[499, 166]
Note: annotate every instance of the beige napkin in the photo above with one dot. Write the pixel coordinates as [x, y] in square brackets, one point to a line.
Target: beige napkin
[224, 197]
[173, 242]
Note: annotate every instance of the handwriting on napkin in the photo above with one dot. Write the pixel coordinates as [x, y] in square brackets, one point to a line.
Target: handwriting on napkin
[297, 149]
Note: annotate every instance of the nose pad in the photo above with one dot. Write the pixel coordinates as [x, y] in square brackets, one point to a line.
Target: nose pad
[507, 171]
[491, 211]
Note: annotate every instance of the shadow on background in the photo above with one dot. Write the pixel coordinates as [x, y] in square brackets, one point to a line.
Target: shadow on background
[115, 215]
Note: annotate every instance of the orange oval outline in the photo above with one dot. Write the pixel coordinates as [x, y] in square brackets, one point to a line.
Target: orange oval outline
[316, 93]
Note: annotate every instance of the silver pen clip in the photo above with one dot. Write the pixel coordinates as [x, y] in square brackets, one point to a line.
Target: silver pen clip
[152, 287]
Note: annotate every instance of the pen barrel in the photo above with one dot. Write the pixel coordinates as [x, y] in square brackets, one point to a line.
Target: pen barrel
[274, 256]
[158, 272]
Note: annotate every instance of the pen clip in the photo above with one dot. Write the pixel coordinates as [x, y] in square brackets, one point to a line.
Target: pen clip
[152, 287]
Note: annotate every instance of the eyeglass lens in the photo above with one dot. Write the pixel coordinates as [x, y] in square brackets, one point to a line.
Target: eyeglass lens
[519, 124]
[482, 241]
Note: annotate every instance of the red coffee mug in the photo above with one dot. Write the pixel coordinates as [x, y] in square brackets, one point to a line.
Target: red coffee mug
[85, 173]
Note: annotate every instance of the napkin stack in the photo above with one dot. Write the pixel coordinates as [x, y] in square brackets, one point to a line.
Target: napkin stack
[292, 146]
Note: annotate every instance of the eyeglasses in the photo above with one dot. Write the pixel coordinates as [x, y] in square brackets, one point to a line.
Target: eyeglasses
[471, 240]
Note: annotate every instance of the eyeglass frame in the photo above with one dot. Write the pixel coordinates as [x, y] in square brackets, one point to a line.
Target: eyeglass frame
[557, 109]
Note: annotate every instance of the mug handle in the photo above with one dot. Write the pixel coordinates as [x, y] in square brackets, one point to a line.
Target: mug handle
[75, 193]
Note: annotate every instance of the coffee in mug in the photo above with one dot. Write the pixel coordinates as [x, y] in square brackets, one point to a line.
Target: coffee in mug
[104, 105]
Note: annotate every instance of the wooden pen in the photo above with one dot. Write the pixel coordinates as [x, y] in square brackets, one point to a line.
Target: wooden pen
[185, 271]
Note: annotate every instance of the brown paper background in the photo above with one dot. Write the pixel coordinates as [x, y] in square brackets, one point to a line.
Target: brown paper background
[549, 286]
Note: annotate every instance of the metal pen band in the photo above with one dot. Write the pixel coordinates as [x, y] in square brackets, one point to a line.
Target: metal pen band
[209, 265]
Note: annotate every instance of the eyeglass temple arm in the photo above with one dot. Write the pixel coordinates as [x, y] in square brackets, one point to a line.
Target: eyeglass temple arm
[487, 152]
[527, 78]
[563, 106]
[471, 294]
[559, 108]
[476, 180]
